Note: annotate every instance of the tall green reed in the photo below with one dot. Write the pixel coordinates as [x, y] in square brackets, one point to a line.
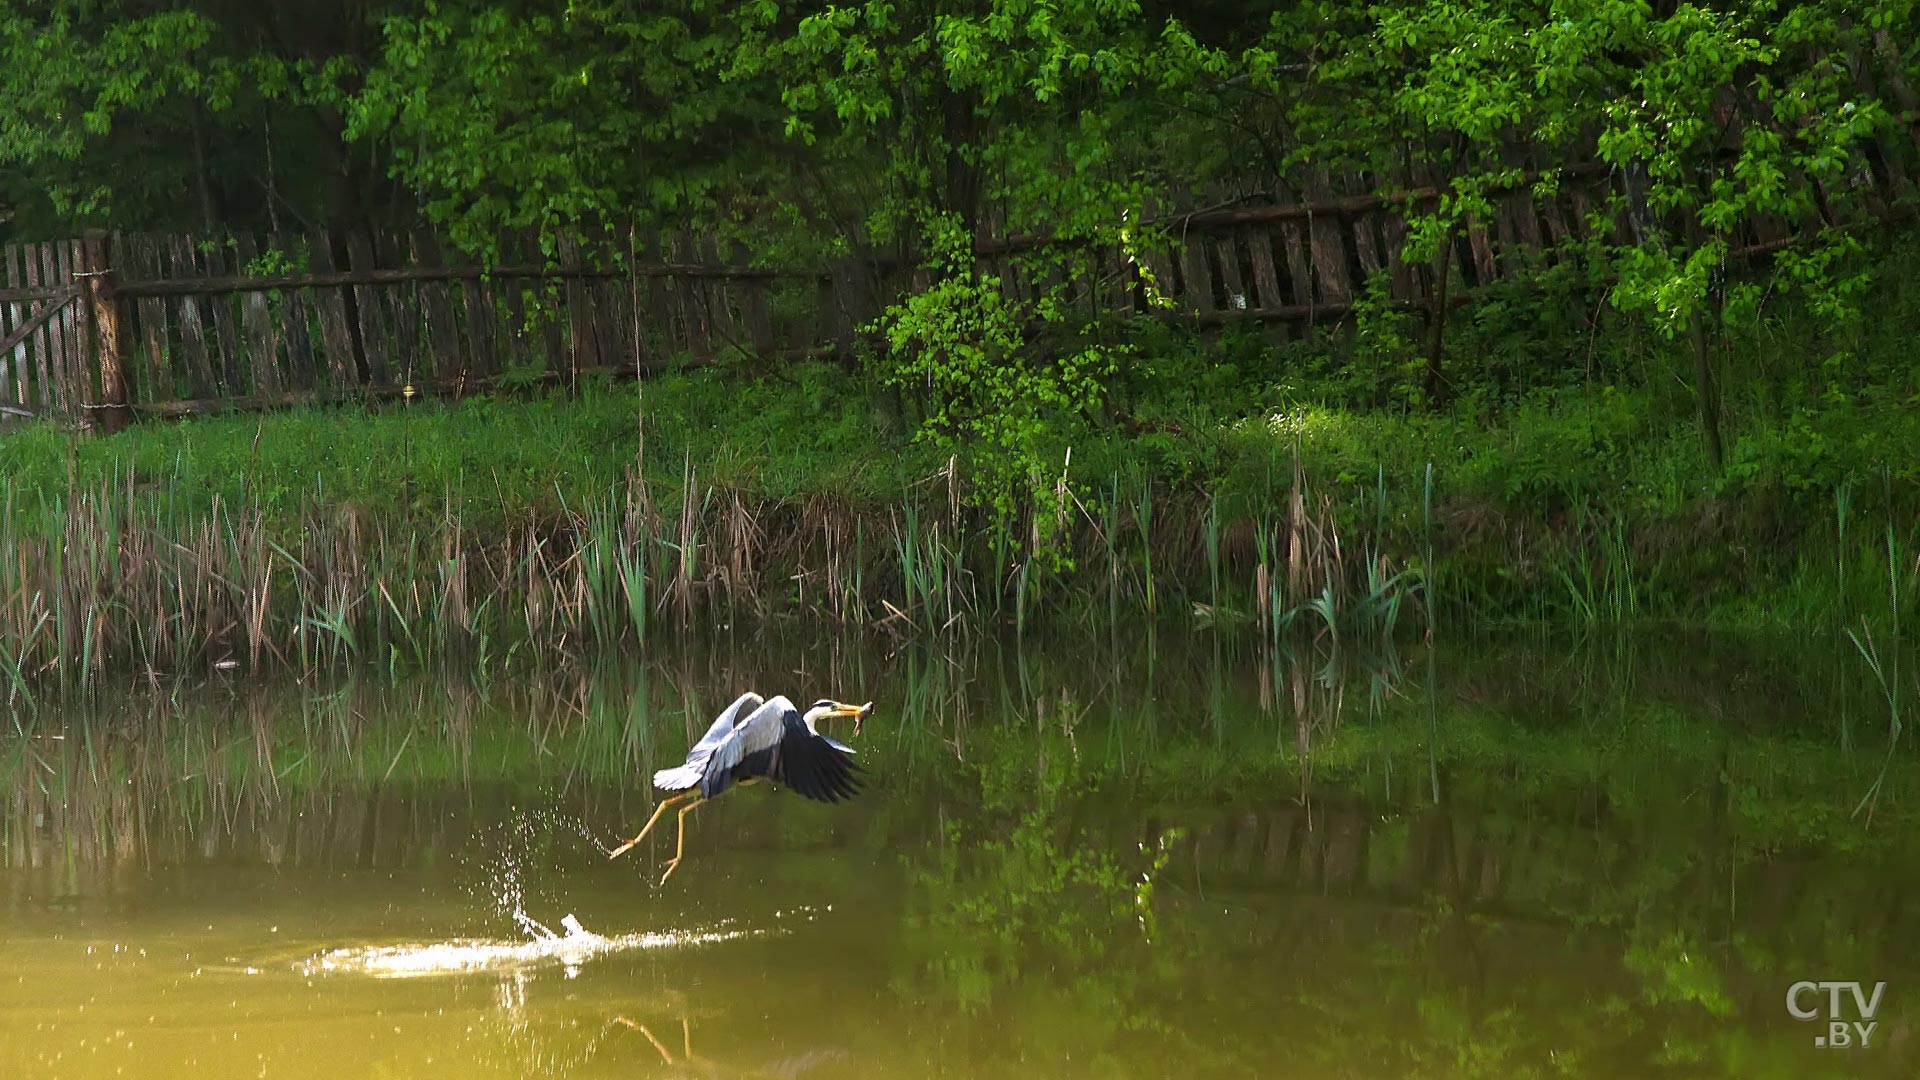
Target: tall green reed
[123, 577]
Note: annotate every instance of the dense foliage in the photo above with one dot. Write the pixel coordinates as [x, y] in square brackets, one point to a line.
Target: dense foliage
[891, 133]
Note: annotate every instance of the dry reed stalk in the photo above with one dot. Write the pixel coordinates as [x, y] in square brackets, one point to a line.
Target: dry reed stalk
[683, 580]
[1297, 531]
[744, 538]
[107, 577]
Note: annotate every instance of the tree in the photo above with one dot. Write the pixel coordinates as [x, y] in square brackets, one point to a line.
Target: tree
[215, 116]
[1716, 119]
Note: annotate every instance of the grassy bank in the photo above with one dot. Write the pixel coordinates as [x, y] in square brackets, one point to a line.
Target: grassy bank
[495, 529]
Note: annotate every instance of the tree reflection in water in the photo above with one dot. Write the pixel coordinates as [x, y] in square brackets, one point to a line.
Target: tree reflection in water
[1593, 861]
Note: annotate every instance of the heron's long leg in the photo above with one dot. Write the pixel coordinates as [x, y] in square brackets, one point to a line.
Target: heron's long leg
[657, 811]
[680, 845]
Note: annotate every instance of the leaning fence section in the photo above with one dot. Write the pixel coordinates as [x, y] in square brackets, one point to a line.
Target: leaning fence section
[46, 345]
[109, 327]
[264, 320]
[1252, 259]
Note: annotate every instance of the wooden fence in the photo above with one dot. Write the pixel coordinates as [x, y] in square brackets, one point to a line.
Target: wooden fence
[170, 325]
[107, 327]
[47, 356]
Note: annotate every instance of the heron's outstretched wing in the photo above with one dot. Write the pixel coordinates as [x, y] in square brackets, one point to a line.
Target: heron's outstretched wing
[758, 733]
[814, 765]
[700, 758]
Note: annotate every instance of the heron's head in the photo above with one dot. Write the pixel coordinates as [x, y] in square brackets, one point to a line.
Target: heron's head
[828, 709]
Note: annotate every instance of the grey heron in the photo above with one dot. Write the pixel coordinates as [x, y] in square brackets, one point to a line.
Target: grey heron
[757, 739]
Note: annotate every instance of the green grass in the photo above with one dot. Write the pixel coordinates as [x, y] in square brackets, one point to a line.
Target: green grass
[500, 528]
[812, 432]
[496, 459]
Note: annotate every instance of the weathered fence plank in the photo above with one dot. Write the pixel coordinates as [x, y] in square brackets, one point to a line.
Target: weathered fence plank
[692, 303]
[515, 343]
[1394, 236]
[34, 322]
[442, 343]
[1327, 239]
[80, 347]
[1366, 248]
[1484, 271]
[55, 363]
[1227, 247]
[1299, 270]
[583, 348]
[231, 368]
[759, 316]
[192, 319]
[401, 315]
[336, 329]
[476, 295]
[150, 318]
[261, 370]
[376, 344]
[1197, 284]
[1266, 277]
[724, 320]
[19, 383]
[296, 320]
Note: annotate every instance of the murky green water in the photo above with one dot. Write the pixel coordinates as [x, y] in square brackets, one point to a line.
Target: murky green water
[1604, 860]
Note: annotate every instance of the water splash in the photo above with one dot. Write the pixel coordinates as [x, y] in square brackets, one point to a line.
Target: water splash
[514, 850]
[502, 883]
[467, 955]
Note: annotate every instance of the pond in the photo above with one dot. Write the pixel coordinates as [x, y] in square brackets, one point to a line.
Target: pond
[1608, 858]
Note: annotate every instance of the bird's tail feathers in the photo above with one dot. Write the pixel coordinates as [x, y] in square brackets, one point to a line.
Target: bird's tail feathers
[678, 778]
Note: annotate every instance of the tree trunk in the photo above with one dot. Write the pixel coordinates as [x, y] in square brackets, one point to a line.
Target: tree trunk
[961, 181]
[1706, 388]
[1437, 319]
[201, 182]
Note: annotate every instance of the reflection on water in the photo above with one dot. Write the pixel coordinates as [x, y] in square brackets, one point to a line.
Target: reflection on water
[1548, 861]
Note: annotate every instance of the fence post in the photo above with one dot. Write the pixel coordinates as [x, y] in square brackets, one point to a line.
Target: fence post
[114, 415]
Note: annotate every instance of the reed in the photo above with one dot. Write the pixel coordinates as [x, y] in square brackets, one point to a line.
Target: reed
[1431, 604]
[1597, 571]
[1143, 522]
[118, 577]
[1110, 539]
[1211, 529]
[1883, 660]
